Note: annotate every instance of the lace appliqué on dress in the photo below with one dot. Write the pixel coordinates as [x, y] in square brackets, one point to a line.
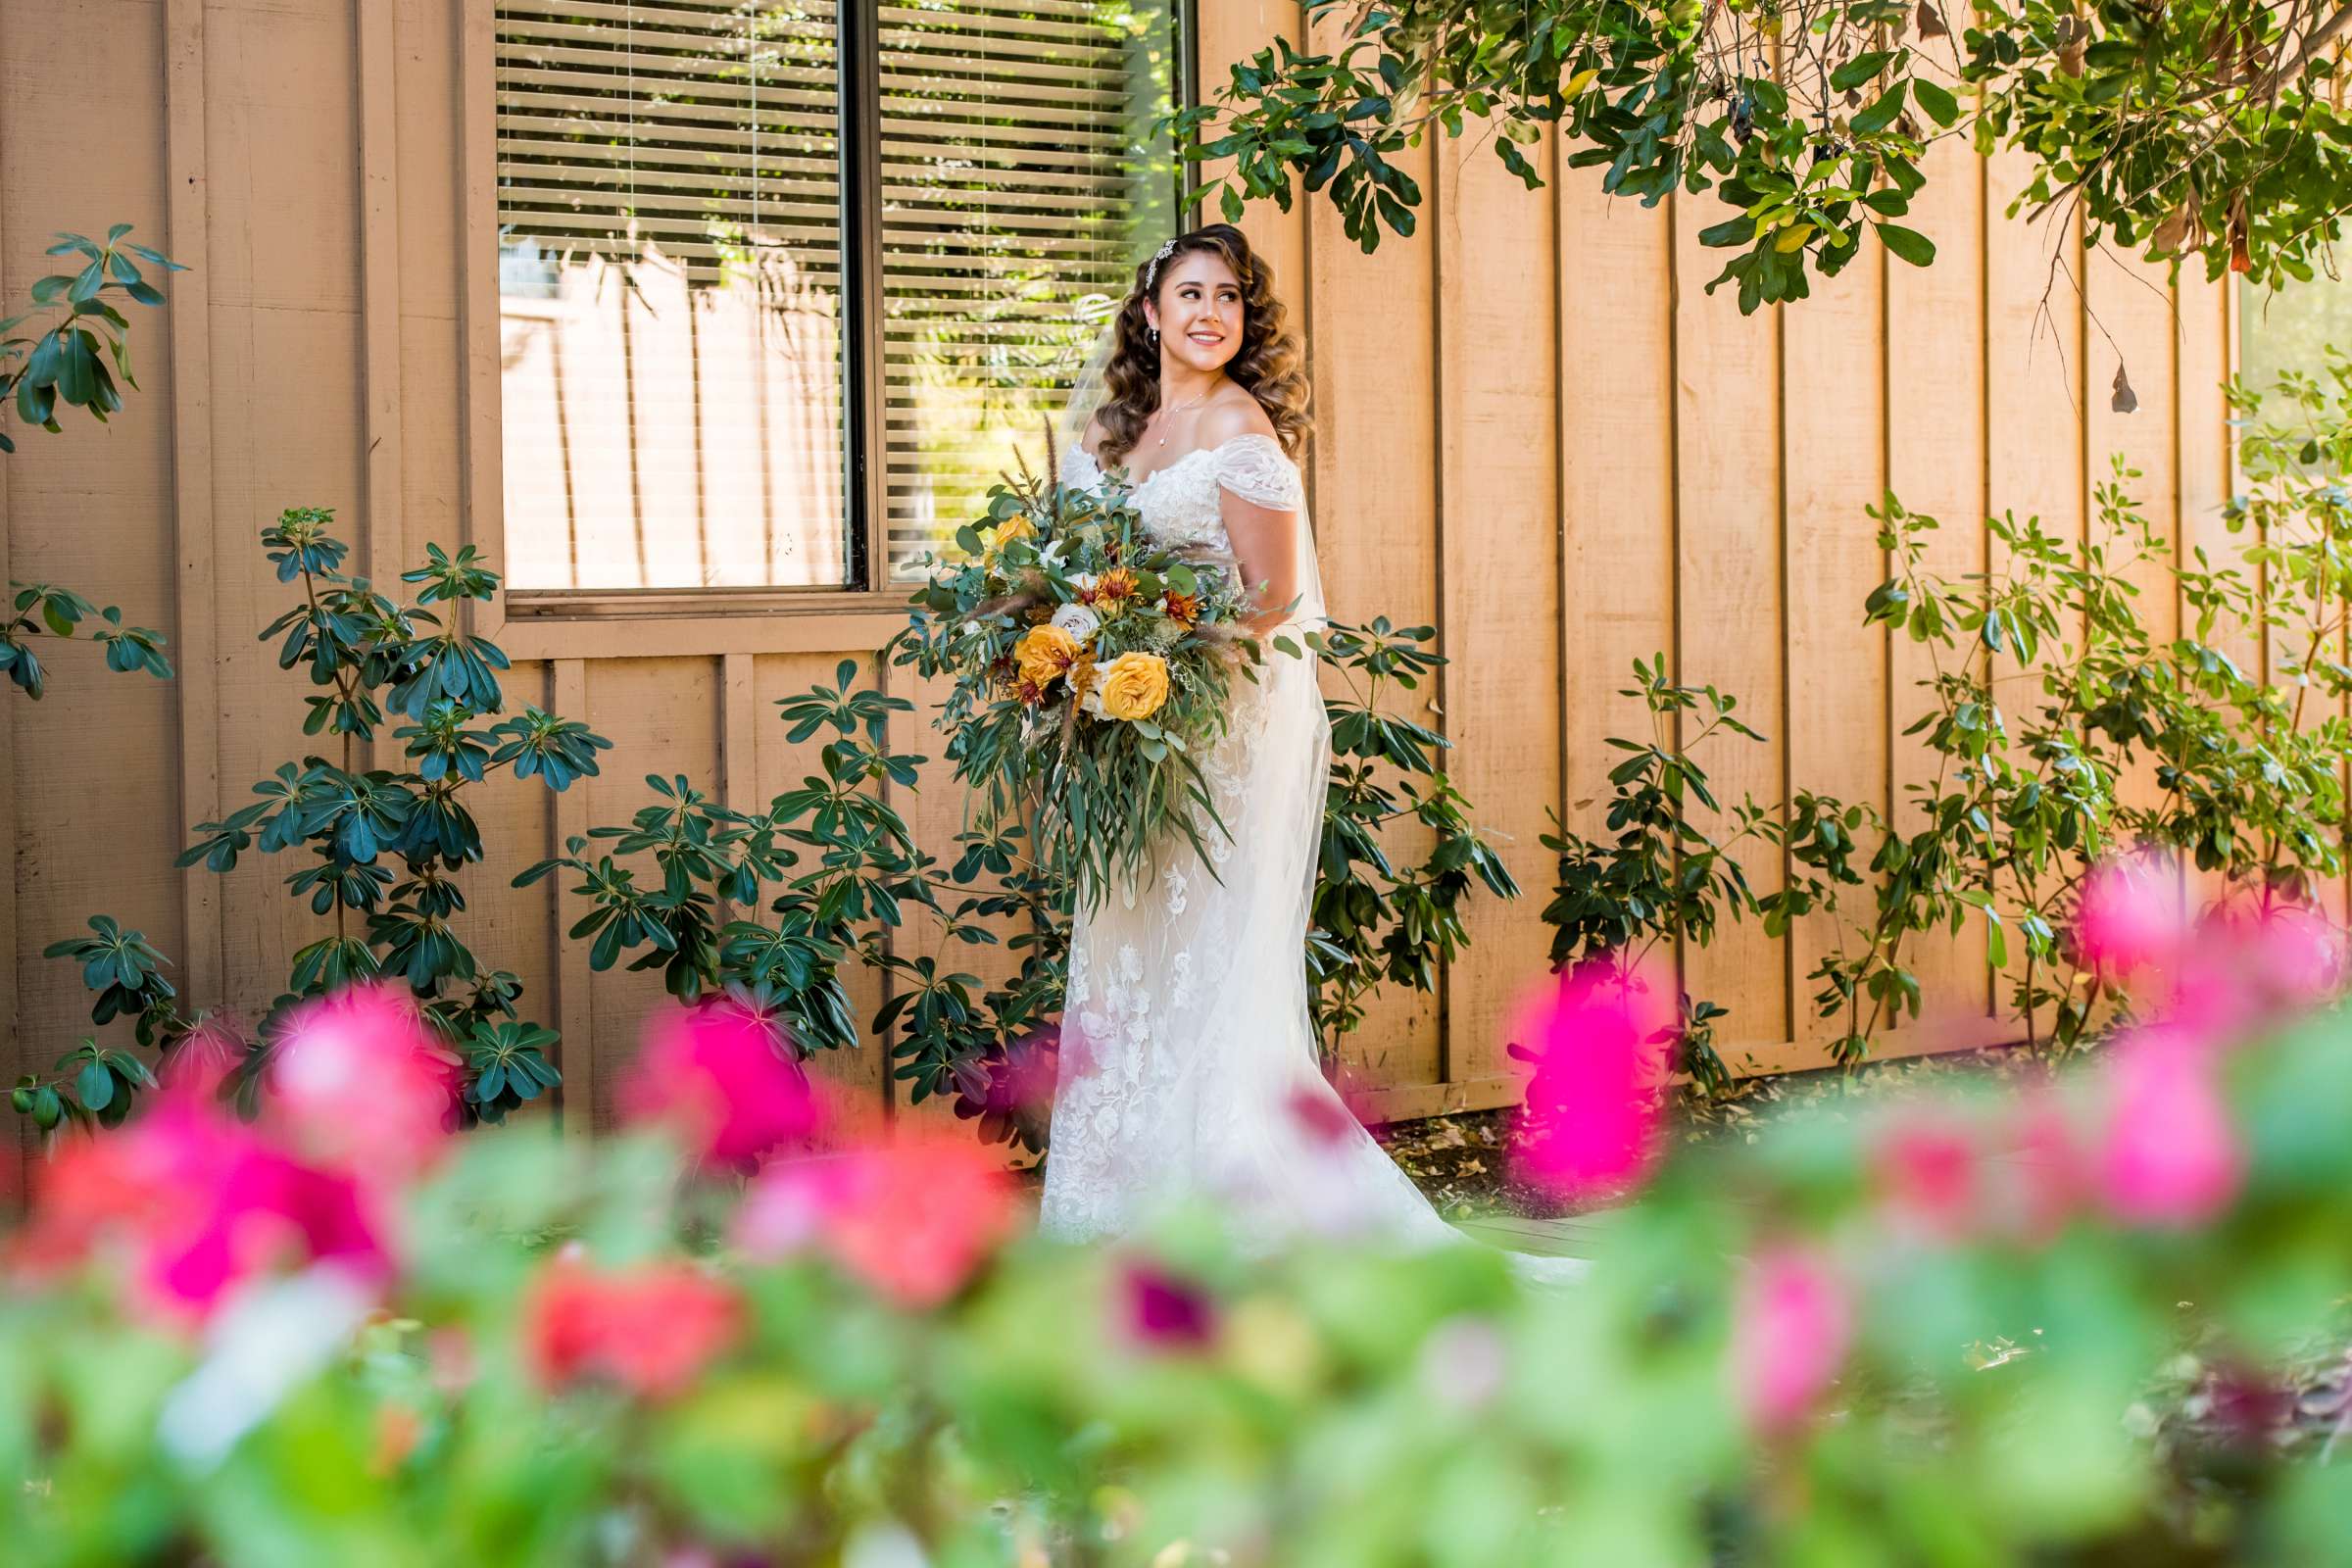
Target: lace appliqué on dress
[1179, 503]
[1258, 469]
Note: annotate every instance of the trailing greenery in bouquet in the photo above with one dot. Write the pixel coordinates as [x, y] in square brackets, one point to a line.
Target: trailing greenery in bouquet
[1091, 669]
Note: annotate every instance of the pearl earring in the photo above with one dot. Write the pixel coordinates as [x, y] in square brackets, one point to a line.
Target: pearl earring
[1154, 337]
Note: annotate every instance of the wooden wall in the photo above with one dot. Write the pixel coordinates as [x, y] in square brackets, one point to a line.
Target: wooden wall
[1536, 433]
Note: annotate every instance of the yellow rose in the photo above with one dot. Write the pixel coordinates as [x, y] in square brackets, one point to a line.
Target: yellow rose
[1131, 686]
[1044, 652]
[1016, 526]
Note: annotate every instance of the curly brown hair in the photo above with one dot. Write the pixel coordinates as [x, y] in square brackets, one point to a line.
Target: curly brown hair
[1270, 363]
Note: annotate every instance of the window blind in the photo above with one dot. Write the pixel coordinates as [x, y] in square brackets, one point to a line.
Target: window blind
[671, 189]
[669, 206]
[1017, 181]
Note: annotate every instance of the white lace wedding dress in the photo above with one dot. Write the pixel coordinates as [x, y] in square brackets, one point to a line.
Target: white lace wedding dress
[1188, 1064]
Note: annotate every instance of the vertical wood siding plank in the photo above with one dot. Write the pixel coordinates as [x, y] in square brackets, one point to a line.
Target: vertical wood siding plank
[940, 809]
[195, 627]
[663, 716]
[2034, 457]
[2204, 467]
[1614, 273]
[1498, 568]
[568, 694]
[508, 926]
[2204, 460]
[738, 785]
[1936, 419]
[2131, 324]
[1371, 336]
[286, 325]
[480, 457]
[1833, 404]
[1228, 36]
[1729, 628]
[15, 1167]
[377, 66]
[90, 784]
[777, 764]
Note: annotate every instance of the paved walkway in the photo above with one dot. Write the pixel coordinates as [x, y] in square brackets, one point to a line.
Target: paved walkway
[1551, 1237]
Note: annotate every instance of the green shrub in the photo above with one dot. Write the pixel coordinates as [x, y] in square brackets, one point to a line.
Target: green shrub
[69, 362]
[2046, 687]
[385, 843]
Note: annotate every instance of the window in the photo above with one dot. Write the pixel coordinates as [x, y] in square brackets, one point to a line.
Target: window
[782, 288]
[2290, 329]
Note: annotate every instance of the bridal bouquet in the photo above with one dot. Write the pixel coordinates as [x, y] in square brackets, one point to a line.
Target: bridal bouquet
[1091, 672]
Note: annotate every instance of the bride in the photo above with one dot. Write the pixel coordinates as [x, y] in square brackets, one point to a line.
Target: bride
[1187, 1066]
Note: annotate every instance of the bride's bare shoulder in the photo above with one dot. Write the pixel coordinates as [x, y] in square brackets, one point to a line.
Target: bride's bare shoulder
[1233, 414]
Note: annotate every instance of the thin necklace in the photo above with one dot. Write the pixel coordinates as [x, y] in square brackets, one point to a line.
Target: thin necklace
[1179, 409]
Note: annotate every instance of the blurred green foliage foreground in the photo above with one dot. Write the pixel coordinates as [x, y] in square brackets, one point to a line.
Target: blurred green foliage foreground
[2100, 1320]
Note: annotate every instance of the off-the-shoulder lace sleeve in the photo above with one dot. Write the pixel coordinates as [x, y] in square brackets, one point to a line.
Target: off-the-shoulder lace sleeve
[1255, 468]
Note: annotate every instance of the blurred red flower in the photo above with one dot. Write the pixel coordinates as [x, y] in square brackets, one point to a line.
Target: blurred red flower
[727, 1081]
[913, 1218]
[1597, 1038]
[1324, 1110]
[1927, 1168]
[1792, 1325]
[651, 1328]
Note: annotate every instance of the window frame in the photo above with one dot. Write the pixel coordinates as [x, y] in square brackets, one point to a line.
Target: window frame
[643, 622]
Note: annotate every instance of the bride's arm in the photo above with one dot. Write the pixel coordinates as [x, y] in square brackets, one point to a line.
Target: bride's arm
[1265, 542]
[1263, 532]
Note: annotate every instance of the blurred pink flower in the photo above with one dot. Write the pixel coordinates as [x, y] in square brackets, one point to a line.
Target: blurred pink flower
[1162, 1312]
[2130, 916]
[451, 1363]
[359, 1080]
[2301, 955]
[2250, 1405]
[1016, 1098]
[199, 1205]
[728, 1083]
[2043, 1171]
[268, 1211]
[785, 1208]
[2257, 960]
[1928, 1170]
[1790, 1328]
[1597, 1038]
[2168, 1152]
[1465, 1363]
[913, 1218]
[651, 1328]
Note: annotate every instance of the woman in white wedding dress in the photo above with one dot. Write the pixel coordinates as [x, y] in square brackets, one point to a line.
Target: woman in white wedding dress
[1187, 1066]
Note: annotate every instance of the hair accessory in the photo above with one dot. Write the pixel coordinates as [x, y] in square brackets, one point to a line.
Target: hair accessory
[1151, 272]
